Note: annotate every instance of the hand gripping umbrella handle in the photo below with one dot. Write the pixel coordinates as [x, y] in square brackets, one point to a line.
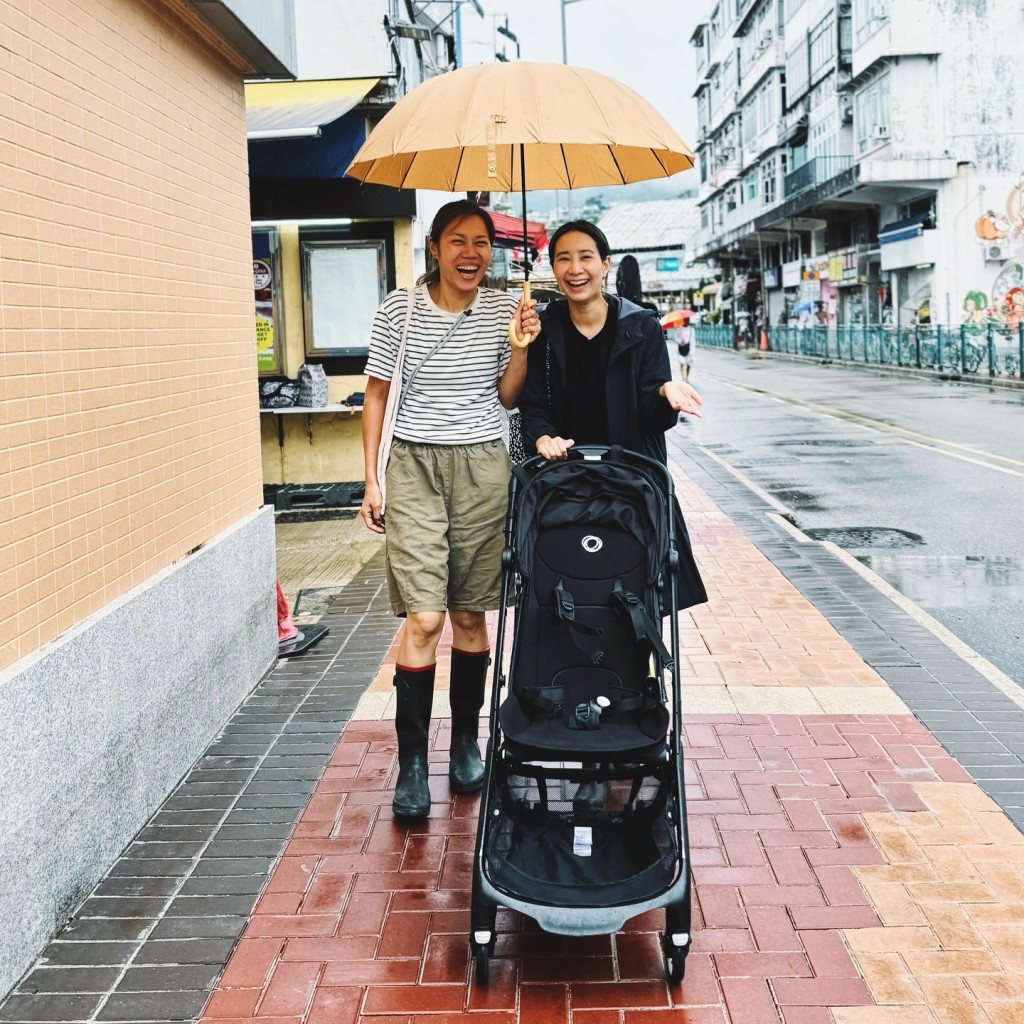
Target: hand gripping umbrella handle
[517, 339]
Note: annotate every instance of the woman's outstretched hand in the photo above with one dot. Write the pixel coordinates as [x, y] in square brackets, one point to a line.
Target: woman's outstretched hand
[682, 397]
[524, 327]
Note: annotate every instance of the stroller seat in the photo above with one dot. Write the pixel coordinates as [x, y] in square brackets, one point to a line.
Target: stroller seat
[581, 681]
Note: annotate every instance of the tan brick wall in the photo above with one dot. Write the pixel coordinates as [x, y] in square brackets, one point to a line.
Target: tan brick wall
[129, 432]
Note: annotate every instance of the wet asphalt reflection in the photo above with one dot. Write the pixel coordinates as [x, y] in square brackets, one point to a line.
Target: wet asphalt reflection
[920, 480]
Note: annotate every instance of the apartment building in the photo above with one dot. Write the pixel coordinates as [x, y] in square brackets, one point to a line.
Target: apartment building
[862, 159]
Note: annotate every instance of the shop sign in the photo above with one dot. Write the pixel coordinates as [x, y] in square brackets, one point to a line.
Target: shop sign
[842, 267]
[667, 264]
[791, 274]
[263, 291]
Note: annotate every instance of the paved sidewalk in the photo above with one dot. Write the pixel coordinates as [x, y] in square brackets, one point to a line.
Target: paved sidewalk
[848, 869]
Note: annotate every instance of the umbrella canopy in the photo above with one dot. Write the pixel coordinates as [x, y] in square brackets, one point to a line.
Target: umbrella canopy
[677, 318]
[507, 126]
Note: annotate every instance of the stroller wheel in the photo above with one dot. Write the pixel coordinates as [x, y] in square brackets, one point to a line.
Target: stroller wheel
[675, 961]
[675, 956]
[483, 964]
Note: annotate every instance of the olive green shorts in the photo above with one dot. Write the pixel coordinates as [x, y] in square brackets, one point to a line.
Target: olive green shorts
[446, 507]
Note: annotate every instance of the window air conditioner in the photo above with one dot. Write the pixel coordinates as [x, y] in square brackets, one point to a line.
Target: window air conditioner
[879, 12]
[881, 131]
[996, 253]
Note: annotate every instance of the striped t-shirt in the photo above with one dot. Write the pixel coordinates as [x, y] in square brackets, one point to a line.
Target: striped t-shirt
[454, 397]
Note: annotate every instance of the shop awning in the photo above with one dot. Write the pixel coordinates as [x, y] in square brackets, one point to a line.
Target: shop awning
[901, 230]
[284, 109]
[509, 232]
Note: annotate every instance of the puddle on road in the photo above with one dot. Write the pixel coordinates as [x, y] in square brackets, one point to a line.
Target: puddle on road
[951, 581]
[799, 501]
[866, 536]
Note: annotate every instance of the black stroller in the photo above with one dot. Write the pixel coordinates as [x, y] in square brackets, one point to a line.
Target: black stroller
[582, 818]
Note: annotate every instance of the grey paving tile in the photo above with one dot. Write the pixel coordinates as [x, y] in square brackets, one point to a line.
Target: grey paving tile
[190, 977]
[25, 1009]
[199, 927]
[69, 979]
[63, 953]
[170, 952]
[154, 1006]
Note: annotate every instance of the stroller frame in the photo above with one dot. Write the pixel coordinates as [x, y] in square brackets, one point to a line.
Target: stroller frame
[503, 759]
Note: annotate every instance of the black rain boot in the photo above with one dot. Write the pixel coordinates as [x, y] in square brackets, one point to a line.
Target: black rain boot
[466, 693]
[414, 695]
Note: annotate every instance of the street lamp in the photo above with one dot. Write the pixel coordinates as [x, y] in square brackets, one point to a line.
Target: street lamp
[565, 3]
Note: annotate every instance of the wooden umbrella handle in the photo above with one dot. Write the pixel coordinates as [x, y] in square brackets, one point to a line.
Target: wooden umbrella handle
[517, 339]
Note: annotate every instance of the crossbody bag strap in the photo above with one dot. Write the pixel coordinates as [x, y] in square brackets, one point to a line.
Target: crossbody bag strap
[434, 349]
[391, 406]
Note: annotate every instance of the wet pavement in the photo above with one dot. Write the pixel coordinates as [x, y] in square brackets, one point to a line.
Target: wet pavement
[855, 791]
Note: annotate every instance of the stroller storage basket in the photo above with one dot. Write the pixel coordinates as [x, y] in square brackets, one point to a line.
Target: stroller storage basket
[585, 843]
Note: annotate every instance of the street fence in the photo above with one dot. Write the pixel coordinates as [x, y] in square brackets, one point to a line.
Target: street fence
[995, 350]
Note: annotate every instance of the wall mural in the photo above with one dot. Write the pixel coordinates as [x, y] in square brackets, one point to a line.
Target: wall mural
[1004, 303]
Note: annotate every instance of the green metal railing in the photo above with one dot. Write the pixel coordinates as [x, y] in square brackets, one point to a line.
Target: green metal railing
[988, 349]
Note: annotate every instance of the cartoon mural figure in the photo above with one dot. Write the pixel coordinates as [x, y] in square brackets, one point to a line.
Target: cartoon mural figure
[990, 227]
[975, 312]
[1008, 294]
[1012, 309]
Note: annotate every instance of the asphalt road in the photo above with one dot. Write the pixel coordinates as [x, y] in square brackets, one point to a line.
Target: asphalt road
[921, 480]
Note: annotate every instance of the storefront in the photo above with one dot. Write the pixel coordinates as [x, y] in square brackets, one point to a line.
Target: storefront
[326, 249]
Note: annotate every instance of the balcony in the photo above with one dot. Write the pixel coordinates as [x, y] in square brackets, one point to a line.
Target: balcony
[817, 170]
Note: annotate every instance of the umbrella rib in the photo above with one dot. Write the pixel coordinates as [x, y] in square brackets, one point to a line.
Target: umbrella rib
[661, 163]
[458, 166]
[565, 164]
[611, 153]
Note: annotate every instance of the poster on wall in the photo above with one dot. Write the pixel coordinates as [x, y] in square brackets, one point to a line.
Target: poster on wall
[263, 288]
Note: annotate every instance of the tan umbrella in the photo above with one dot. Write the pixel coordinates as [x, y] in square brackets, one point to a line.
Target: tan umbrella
[497, 127]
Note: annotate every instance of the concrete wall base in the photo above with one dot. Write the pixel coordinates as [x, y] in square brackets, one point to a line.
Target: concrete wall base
[98, 726]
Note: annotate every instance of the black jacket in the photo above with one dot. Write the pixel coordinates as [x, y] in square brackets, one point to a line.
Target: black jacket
[638, 416]
[637, 366]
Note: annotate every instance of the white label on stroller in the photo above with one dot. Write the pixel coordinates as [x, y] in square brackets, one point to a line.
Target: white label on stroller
[582, 841]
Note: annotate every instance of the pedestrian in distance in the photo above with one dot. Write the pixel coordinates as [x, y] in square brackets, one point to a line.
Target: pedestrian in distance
[686, 342]
[441, 484]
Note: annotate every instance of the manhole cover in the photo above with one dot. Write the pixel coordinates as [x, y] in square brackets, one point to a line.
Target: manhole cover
[866, 536]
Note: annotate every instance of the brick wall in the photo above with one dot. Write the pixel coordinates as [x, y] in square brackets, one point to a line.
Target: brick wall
[129, 433]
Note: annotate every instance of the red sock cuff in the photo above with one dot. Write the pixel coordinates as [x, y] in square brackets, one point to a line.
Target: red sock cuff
[418, 668]
[472, 654]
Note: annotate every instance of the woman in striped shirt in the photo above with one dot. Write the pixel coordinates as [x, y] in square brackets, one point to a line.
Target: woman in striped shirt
[446, 482]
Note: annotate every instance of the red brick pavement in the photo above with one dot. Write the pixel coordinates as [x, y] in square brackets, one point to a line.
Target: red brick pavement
[364, 920]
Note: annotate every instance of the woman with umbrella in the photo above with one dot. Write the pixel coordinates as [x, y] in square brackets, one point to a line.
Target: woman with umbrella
[447, 481]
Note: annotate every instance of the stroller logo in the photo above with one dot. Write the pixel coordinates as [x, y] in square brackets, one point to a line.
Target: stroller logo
[592, 544]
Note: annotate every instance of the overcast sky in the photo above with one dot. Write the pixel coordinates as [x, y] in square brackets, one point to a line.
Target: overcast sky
[643, 43]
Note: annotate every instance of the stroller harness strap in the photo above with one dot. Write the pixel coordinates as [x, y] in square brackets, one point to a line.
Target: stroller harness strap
[580, 632]
[644, 626]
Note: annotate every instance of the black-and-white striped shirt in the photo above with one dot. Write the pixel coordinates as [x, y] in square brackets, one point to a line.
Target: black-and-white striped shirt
[454, 397]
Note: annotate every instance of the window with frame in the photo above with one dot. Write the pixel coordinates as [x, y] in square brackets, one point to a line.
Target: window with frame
[798, 70]
[750, 124]
[871, 109]
[822, 43]
[868, 17]
[769, 179]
